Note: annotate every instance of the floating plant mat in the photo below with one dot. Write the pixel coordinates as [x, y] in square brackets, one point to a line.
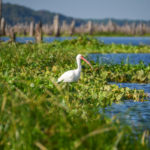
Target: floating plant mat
[138, 86]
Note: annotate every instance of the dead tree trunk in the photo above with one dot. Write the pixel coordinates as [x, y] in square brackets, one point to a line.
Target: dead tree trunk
[38, 32]
[56, 26]
[0, 15]
[90, 27]
[31, 32]
[0, 9]
[2, 26]
[72, 28]
[12, 35]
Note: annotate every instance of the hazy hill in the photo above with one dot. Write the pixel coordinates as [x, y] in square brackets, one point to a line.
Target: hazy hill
[19, 14]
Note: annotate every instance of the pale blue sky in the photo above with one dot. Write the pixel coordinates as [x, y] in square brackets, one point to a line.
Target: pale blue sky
[96, 9]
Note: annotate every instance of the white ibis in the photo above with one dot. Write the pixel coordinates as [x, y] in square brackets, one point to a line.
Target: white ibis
[73, 75]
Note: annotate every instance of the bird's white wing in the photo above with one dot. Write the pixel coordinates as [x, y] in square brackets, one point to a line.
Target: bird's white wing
[67, 76]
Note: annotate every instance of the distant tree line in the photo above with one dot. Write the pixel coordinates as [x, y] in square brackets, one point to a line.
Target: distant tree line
[24, 21]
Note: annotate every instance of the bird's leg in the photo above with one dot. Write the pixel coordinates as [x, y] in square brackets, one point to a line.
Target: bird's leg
[67, 86]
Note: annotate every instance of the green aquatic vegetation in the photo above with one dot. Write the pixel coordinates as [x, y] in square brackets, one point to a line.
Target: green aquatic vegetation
[52, 121]
[85, 44]
[139, 73]
[38, 113]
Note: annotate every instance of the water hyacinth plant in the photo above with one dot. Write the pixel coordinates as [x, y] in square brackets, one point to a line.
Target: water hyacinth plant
[38, 113]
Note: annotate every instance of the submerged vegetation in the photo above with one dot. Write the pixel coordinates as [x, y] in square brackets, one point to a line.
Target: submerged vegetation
[38, 113]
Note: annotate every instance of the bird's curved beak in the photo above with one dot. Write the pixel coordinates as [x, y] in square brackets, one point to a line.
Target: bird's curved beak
[86, 61]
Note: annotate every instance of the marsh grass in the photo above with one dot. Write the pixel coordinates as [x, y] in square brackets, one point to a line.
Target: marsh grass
[38, 113]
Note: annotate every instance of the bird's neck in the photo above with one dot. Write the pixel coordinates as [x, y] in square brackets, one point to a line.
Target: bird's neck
[79, 65]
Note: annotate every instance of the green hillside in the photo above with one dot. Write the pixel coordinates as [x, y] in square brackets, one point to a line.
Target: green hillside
[19, 14]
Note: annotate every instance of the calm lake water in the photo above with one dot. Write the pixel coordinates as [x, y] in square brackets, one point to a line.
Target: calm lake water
[106, 40]
[32, 39]
[119, 58]
[126, 40]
